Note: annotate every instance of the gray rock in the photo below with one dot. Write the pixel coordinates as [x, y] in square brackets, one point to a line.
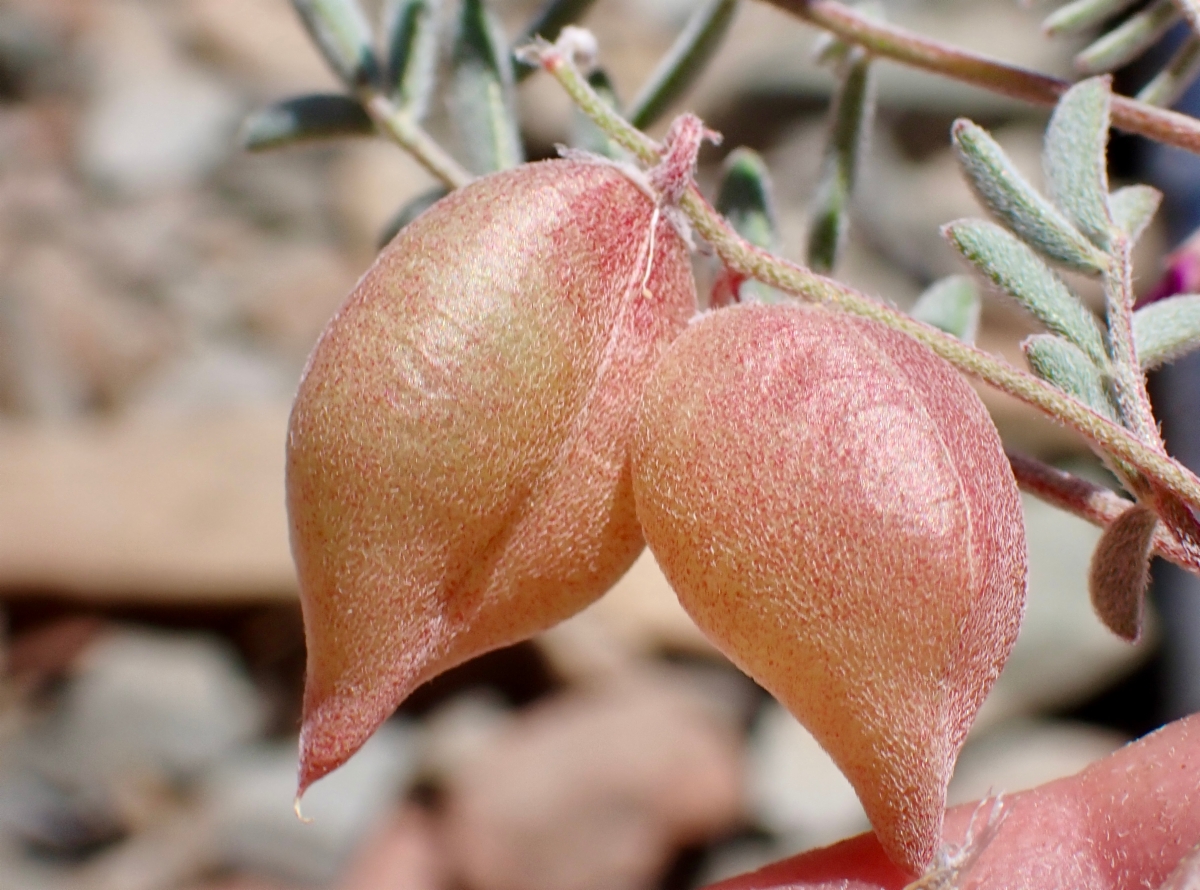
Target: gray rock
[594, 790]
[159, 133]
[215, 376]
[1063, 653]
[148, 509]
[459, 731]
[155, 120]
[172, 850]
[794, 788]
[74, 341]
[261, 40]
[145, 703]
[103, 780]
[1021, 754]
[251, 796]
[403, 852]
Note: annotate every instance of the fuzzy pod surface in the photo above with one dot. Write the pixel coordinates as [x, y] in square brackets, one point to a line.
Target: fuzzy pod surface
[458, 472]
[832, 505]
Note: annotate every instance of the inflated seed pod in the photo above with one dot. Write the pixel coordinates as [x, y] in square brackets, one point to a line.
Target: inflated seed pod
[832, 505]
[458, 454]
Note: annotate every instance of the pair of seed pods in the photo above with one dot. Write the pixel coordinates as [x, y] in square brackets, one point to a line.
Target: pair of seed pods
[518, 394]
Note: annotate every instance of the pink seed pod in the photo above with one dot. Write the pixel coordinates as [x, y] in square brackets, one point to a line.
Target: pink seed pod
[831, 502]
[458, 470]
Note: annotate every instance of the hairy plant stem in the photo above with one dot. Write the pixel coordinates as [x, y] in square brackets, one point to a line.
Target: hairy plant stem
[1134, 400]
[753, 262]
[1095, 503]
[902, 45]
[411, 136]
[1132, 397]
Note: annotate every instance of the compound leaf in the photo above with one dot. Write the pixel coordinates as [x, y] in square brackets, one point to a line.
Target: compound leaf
[1133, 207]
[849, 125]
[684, 62]
[1016, 204]
[304, 119]
[482, 89]
[1064, 364]
[1083, 15]
[744, 198]
[1018, 271]
[950, 304]
[410, 29]
[1175, 77]
[1128, 40]
[340, 30]
[1074, 158]
[1166, 330]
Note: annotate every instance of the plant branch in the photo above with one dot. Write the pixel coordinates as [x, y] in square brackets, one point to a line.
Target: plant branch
[1134, 401]
[1132, 396]
[914, 49]
[413, 138]
[1110, 437]
[1087, 500]
[754, 262]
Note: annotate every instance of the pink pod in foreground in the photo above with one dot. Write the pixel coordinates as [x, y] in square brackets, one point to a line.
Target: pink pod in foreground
[458, 454]
[1130, 820]
[831, 503]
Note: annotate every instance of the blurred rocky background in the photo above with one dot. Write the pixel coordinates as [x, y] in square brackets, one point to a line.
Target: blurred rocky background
[159, 291]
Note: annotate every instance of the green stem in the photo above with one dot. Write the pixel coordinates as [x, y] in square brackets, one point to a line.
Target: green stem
[919, 51]
[413, 138]
[753, 262]
[683, 63]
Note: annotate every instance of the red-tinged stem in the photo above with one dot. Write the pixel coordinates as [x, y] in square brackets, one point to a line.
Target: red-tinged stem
[910, 48]
[1095, 503]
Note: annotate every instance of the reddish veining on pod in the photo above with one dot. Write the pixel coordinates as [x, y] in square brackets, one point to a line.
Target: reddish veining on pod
[458, 455]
